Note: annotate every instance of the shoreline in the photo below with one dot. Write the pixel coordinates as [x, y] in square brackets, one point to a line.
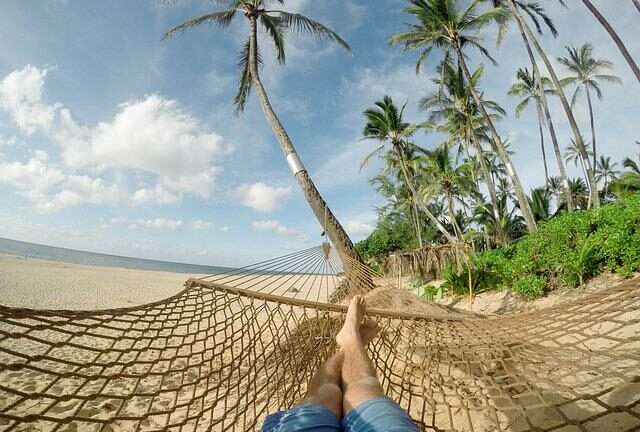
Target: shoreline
[44, 284]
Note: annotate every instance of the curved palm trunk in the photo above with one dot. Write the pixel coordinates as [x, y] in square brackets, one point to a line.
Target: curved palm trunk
[636, 3]
[563, 99]
[621, 46]
[547, 114]
[325, 216]
[556, 148]
[491, 186]
[452, 216]
[593, 126]
[414, 193]
[544, 153]
[523, 200]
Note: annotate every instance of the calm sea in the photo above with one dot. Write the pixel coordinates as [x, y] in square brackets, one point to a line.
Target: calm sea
[32, 250]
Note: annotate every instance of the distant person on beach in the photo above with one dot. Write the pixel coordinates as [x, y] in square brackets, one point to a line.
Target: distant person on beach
[345, 394]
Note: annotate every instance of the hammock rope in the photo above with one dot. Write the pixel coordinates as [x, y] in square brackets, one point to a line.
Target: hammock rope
[235, 346]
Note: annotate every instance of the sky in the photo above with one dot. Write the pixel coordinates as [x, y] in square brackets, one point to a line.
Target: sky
[113, 140]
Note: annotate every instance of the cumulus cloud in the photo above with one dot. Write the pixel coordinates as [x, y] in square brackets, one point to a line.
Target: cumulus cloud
[157, 223]
[200, 225]
[357, 228]
[276, 227]
[260, 196]
[21, 96]
[150, 138]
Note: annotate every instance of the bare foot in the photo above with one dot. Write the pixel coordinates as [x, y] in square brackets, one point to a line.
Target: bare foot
[350, 332]
[368, 331]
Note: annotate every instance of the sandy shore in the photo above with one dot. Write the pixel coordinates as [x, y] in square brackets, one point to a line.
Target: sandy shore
[40, 284]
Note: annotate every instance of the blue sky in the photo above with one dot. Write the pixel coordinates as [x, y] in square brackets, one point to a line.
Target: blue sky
[114, 141]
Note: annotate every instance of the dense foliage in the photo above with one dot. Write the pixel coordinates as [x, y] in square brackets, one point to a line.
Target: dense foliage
[391, 234]
[565, 251]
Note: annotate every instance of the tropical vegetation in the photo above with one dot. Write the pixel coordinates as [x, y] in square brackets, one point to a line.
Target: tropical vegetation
[467, 190]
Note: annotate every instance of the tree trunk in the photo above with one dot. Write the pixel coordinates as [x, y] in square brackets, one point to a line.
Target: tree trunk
[621, 46]
[452, 216]
[414, 193]
[563, 172]
[593, 127]
[636, 3]
[547, 114]
[563, 98]
[325, 216]
[544, 153]
[523, 200]
[491, 186]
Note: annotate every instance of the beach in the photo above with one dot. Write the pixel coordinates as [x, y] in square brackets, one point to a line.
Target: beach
[42, 284]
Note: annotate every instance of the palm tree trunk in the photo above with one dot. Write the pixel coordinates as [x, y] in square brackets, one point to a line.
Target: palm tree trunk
[325, 216]
[636, 3]
[593, 127]
[491, 186]
[452, 216]
[544, 153]
[545, 107]
[556, 148]
[563, 98]
[414, 193]
[621, 46]
[523, 200]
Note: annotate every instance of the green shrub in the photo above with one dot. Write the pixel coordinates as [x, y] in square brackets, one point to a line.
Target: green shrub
[530, 287]
[565, 251]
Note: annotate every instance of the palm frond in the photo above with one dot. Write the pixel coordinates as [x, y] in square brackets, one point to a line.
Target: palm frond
[277, 37]
[301, 24]
[222, 18]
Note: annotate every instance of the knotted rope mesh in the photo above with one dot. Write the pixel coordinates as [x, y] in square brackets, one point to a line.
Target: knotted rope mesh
[234, 347]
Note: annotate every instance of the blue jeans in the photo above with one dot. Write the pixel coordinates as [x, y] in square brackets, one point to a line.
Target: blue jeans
[376, 415]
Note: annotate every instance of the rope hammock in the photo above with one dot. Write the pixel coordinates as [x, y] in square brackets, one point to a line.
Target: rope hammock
[233, 347]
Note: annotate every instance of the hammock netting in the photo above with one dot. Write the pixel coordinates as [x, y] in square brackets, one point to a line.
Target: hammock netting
[231, 348]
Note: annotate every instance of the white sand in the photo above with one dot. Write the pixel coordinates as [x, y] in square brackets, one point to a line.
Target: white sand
[37, 284]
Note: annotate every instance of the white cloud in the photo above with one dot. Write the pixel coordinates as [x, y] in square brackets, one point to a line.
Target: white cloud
[157, 223]
[260, 196]
[276, 227]
[357, 228]
[200, 225]
[150, 138]
[21, 96]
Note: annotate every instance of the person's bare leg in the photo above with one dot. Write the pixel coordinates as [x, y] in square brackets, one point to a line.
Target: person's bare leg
[325, 388]
[359, 380]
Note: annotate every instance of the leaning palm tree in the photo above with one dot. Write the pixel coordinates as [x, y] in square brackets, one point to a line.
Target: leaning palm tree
[606, 171]
[614, 35]
[515, 9]
[276, 23]
[442, 25]
[586, 74]
[526, 87]
[636, 3]
[454, 111]
[446, 179]
[385, 123]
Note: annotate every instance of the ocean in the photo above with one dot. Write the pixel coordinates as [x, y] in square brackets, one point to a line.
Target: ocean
[51, 253]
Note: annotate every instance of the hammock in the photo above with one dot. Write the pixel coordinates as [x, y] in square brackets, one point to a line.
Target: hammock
[231, 348]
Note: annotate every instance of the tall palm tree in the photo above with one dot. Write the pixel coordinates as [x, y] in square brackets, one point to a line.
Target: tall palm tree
[454, 112]
[573, 154]
[616, 38]
[535, 11]
[441, 24]
[586, 74]
[526, 87]
[446, 179]
[607, 171]
[385, 123]
[276, 23]
[636, 3]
